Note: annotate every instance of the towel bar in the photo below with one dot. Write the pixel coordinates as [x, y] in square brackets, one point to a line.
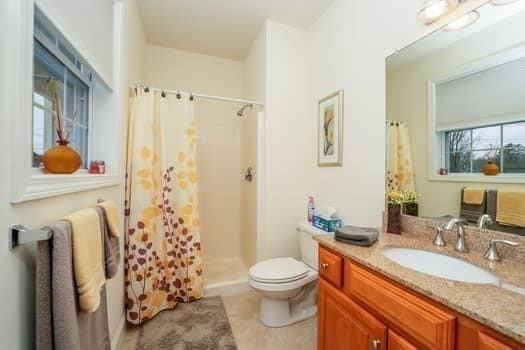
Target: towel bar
[19, 234]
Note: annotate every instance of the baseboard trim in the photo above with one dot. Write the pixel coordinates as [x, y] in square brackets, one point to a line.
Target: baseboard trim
[227, 288]
[116, 337]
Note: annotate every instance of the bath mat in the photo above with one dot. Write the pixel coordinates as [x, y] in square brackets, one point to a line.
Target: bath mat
[200, 325]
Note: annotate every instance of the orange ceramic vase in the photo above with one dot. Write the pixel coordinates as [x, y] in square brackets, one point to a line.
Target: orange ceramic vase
[490, 169]
[61, 159]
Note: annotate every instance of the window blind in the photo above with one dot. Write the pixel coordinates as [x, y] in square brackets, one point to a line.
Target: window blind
[491, 96]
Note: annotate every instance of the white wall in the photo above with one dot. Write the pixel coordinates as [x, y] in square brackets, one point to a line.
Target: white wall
[76, 19]
[254, 70]
[218, 147]
[287, 139]
[17, 268]
[347, 51]
[131, 69]
[254, 84]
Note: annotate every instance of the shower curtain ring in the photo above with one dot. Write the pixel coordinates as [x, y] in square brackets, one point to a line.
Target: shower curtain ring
[163, 94]
[178, 95]
[191, 97]
[146, 89]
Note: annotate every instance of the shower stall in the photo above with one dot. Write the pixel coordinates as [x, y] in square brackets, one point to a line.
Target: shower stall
[227, 161]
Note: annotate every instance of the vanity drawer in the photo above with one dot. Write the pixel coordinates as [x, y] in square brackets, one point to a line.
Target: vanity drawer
[426, 323]
[331, 267]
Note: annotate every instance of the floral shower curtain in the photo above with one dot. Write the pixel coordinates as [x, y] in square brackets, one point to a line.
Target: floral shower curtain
[399, 170]
[163, 248]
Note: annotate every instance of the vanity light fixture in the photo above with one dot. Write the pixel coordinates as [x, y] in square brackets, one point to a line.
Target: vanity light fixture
[463, 21]
[432, 10]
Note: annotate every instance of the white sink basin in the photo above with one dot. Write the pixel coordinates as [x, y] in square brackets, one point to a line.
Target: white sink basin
[440, 265]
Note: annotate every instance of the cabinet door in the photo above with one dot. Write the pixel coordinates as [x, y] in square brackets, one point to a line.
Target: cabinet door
[486, 342]
[344, 325]
[397, 342]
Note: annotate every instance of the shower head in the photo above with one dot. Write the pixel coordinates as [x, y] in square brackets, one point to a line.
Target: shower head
[241, 111]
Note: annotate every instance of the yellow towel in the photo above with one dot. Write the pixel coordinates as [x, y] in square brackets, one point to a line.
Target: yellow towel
[111, 211]
[473, 195]
[511, 208]
[87, 257]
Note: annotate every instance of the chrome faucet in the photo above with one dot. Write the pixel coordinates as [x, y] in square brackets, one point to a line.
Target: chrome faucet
[460, 246]
[484, 220]
[492, 253]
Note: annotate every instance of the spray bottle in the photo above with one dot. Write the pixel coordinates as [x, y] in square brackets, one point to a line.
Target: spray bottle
[311, 208]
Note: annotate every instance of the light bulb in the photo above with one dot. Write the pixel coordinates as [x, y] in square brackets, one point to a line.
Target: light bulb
[432, 10]
[435, 10]
[463, 21]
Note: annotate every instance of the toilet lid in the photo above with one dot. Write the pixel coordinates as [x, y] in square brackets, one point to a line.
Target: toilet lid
[279, 270]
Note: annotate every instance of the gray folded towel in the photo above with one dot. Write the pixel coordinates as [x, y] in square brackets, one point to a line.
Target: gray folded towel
[361, 236]
[111, 245]
[354, 242]
[472, 212]
[60, 324]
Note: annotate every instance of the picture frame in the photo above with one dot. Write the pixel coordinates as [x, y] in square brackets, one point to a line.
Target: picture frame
[330, 130]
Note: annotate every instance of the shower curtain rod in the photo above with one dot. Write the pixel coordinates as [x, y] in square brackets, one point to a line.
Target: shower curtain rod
[209, 97]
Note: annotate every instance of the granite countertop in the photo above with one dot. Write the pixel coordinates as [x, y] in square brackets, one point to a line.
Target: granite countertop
[499, 307]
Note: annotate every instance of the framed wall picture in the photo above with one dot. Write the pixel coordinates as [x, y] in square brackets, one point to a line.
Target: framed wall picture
[330, 134]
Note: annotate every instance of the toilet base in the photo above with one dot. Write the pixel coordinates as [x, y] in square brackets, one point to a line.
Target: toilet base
[277, 313]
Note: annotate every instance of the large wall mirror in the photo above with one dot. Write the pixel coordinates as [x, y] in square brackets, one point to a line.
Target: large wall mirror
[456, 121]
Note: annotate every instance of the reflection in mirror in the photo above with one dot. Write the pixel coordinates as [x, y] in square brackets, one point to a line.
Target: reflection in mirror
[455, 123]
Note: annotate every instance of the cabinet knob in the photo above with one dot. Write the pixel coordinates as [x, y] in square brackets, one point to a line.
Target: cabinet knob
[324, 266]
[376, 344]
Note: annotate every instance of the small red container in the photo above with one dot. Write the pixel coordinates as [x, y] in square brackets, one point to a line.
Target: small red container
[97, 167]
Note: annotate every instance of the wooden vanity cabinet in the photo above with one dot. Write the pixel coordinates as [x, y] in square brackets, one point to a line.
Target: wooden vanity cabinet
[344, 325]
[361, 309]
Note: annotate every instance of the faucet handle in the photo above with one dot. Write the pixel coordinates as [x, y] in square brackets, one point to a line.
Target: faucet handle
[439, 240]
[492, 253]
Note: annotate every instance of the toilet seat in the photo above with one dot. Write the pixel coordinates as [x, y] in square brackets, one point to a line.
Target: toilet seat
[310, 276]
[278, 271]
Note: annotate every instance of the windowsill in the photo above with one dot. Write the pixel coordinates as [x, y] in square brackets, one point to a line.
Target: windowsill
[501, 178]
[41, 185]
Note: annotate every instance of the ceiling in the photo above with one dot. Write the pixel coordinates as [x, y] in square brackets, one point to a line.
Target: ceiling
[224, 28]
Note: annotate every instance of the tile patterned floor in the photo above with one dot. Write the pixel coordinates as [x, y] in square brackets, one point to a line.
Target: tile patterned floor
[250, 334]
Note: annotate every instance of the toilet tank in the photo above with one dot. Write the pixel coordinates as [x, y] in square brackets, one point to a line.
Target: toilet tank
[309, 246]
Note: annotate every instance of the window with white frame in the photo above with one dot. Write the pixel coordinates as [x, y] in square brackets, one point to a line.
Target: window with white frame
[62, 77]
[59, 61]
[467, 150]
[480, 117]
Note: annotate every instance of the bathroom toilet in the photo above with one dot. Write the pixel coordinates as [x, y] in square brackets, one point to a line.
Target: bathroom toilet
[287, 286]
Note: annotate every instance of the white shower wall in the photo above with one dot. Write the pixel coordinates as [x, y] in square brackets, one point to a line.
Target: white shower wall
[222, 204]
[248, 139]
[218, 159]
